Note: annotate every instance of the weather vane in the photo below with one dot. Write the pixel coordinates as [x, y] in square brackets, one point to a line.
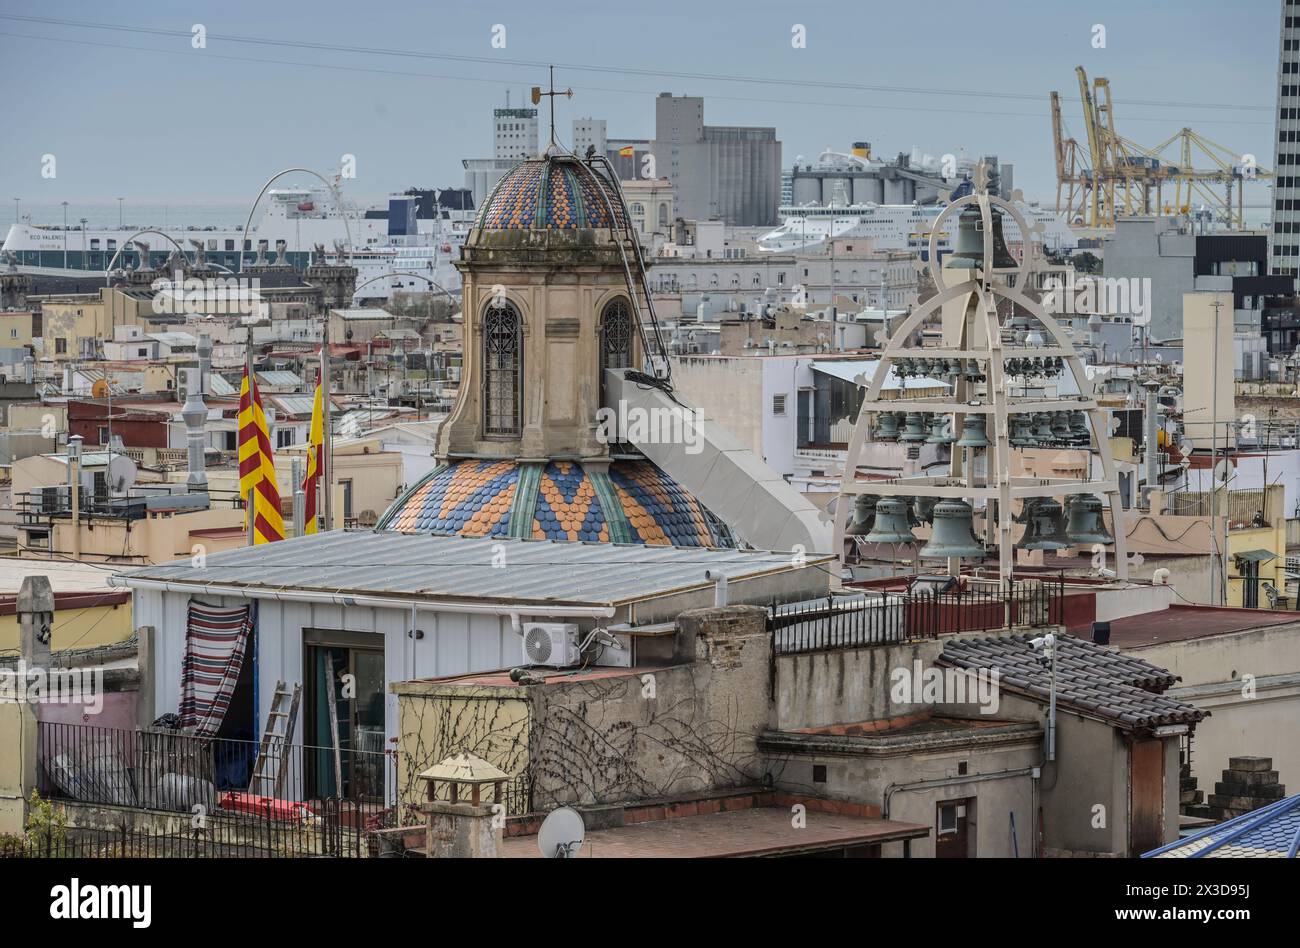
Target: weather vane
[552, 93]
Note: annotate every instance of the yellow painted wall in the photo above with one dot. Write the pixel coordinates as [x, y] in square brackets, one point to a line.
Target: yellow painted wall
[77, 628]
[492, 723]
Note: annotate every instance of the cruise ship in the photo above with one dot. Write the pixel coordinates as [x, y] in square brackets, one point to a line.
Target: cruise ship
[894, 227]
[415, 233]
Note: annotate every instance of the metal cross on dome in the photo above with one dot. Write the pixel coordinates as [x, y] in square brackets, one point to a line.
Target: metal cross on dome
[551, 93]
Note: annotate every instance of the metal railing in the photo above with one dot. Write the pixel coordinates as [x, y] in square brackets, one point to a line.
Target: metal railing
[303, 800]
[327, 834]
[885, 618]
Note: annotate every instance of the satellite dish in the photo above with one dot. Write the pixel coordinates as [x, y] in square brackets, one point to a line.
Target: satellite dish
[1222, 471]
[561, 834]
[121, 475]
[99, 389]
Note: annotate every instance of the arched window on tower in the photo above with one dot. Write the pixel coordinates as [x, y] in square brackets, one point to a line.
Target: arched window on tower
[615, 338]
[503, 361]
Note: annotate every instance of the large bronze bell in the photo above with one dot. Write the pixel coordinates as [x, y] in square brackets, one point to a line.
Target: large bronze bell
[954, 532]
[887, 426]
[1043, 428]
[1044, 531]
[968, 246]
[1022, 435]
[864, 512]
[915, 430]
[940, 430]
[890, 525]
[1061, 426]
[972, 433]
[1085, 524]
[1079, 431]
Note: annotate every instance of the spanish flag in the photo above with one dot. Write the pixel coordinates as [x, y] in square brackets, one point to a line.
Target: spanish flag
[256, 466]
[315, 461]
[627, 151]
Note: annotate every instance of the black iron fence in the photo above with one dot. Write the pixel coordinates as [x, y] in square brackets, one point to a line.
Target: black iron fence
[328, 833]
[298, 801]
[886, 618]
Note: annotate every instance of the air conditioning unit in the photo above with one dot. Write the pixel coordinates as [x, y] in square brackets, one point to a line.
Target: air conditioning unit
[551, 643]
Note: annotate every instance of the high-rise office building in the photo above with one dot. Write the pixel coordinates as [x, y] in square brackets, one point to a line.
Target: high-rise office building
[515, 133]
[1284, 236]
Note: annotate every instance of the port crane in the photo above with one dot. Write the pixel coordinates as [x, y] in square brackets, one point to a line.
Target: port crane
[1109, 176]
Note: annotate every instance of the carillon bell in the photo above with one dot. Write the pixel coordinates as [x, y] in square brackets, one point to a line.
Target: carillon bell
[953, 534]
[922, 509]
[915, 430]
[1026, 510]
[1044, 531]
[1085, 524]
[940, 430]
[864, 512]
[1043, 428]
[1022, 435]
[1079, 428]
[890, 525]
[1061, 426]
[973, 433]
[968, 246]
[887, 426]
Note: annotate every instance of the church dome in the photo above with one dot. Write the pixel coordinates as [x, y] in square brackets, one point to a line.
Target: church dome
[555, 192]
[632, 502]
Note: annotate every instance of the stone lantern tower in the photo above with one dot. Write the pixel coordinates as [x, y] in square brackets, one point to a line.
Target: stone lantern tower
[546, 307]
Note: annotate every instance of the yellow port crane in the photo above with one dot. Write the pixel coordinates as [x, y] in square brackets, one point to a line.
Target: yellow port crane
[1116, 177]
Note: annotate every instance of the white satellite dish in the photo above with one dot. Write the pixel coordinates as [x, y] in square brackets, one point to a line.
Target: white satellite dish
[120, 475]
[561, 834]
[1223, 471]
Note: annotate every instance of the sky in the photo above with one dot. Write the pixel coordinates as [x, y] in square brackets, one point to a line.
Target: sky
[138, 112]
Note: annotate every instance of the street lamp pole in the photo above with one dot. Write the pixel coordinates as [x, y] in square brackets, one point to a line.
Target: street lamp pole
[65, 235]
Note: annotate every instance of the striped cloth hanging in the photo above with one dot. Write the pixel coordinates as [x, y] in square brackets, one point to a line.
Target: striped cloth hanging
[215, 642]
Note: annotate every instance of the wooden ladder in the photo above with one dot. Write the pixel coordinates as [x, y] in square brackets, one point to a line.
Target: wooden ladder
[269, 770]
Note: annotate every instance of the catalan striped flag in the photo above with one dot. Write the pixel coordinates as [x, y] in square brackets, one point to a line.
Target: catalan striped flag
[315, 461]
[256, 465]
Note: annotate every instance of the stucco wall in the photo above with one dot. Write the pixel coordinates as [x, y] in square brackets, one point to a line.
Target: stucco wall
[1255, 715]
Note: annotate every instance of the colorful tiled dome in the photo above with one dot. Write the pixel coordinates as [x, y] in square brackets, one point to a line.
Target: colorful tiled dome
[553, 193]
[557, 501]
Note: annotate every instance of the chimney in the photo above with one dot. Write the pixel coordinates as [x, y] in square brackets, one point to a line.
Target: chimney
[205, 362]
[195, 413]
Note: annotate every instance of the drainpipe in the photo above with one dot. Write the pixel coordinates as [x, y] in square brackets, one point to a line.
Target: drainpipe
[950, 782]
[1152, 437]
[74, 492]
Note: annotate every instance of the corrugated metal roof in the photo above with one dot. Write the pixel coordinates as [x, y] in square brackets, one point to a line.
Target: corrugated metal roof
[364, 562]
[279, 377]
[295, 405]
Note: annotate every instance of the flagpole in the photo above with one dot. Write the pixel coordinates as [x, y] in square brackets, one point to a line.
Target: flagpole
[248, 372]
[326, 478]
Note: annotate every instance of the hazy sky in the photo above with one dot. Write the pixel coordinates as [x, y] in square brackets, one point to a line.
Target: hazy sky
[146, 116]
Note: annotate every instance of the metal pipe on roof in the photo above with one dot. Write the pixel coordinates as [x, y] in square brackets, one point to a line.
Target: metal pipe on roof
[512, 609]
[949, 782]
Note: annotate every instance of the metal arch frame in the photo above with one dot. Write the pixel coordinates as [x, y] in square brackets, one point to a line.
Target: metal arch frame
[985, 294]
[108, 268]
[334, 189]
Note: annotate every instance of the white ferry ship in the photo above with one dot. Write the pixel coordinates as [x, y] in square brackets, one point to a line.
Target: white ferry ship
[414, 233]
